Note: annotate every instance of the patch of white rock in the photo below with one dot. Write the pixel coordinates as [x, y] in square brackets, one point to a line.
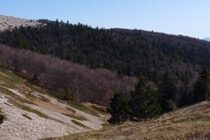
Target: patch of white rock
[9, 22]
[17, 126]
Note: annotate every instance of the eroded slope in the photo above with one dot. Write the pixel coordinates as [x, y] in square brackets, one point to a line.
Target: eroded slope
[32, 114]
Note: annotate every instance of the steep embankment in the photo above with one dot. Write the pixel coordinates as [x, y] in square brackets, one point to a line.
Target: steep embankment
[30, 113]
[187, 123]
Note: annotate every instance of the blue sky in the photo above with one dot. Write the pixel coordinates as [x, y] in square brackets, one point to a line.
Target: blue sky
[186, 17]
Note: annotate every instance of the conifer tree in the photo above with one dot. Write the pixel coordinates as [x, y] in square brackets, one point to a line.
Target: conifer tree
[167, 92]
[118, 109]
[200, 92]
[144, 102]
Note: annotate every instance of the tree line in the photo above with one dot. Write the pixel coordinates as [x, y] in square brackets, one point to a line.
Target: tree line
[65, 80]
[127, 52]
[146, 102]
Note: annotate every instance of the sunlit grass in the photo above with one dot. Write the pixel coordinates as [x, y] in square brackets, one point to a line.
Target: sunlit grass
[78, 123]
[187, 123]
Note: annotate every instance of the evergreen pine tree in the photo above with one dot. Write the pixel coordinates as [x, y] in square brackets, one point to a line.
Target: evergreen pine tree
[144, 102]
[118, 109]
[167, 91]
[200, 92]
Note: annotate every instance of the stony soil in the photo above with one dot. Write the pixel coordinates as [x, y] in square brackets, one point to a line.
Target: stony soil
[32, 115]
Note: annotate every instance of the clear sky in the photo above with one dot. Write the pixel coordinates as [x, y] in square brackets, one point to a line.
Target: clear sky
[186, 17]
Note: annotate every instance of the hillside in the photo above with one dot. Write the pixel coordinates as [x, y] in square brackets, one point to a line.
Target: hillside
[129, 52]
[58, 80]
[118, 55]
[9, 22]
[66, 80]
[187, 123]
[31, 113]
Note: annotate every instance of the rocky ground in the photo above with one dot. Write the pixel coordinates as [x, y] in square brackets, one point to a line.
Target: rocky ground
[32, 114]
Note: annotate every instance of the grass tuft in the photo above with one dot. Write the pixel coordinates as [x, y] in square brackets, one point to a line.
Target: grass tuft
[78, 123]
[26, 116]
[77, 117]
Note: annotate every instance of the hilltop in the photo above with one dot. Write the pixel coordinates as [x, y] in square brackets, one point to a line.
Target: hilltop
[10, 22]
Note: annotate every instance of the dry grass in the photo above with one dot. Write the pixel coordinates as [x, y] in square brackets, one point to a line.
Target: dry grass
[95, 108]
[187, 123]
[79, 123]
[75, 116]
[26, 116]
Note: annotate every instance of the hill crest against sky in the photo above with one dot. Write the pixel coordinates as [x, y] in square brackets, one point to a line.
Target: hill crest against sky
[187, 17]
[207, 39]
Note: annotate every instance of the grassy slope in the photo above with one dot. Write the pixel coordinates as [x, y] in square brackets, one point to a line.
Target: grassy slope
[187, 123]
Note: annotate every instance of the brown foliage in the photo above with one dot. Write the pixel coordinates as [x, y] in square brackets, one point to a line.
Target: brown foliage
[64, 77]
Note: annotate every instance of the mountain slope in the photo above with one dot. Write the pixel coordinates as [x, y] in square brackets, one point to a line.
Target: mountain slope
[126, 52]
[30, 113]
[129, 52]
[187, 123]
[66, 80]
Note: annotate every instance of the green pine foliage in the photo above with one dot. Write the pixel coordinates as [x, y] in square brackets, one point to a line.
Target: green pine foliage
[200, 92]
[144, 102]
[118, 109]
[127, 52]
[167, 91]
